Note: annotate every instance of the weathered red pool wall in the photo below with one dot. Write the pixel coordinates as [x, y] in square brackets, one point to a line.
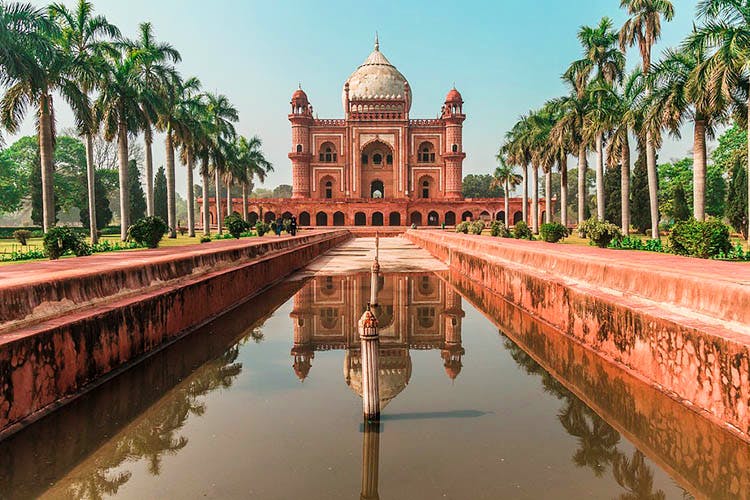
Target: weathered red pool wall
[702, 364]
[708, 462]
[44, 364]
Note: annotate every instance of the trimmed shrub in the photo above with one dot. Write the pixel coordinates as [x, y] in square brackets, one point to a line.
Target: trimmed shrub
[463, 227]
[61, 240]
[6, 233]
[22, 236]
[553, 232]
[205, 239]
[522, 231]
[702, 239]
[235, 225]
[628, 243]
[261, 228]
[601, 233]
[498, 229]
[476, 227]
[148, 231]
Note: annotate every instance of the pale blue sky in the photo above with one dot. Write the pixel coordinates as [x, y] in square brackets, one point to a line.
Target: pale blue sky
[505, 57]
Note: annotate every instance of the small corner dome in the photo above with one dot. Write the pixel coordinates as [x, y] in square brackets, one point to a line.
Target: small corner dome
[299, 98]
[454, 97]
[376, 78]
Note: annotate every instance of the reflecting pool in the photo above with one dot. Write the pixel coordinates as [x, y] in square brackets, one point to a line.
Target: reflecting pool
[479, 401]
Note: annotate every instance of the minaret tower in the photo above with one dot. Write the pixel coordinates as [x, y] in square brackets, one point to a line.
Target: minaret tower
[301, 118]
[302, 350]
[453, 117]
[452, 349]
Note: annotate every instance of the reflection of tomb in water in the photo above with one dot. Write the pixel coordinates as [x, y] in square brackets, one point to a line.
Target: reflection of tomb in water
[415, 311]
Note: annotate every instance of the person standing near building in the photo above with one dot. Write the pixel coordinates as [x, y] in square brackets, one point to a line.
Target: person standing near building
[293, 226]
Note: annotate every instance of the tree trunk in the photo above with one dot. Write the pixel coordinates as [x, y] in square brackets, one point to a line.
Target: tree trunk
[699, 170]
[625, 185]
[190, 196]
[748, 172]
[91, 181]
[548, 196]
[564, 192]
[582, 167]
[149, 174]
[47, 159]
[171, 209]
[244, 201]
[653, 186]
[599, 177]
[122, 154]
[217, 200]
[535, 199]
[230, 208]
[507, 204]
[525, 207]
[206, 211]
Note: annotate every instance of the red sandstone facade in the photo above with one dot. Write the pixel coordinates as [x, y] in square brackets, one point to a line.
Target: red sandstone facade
[377, 165]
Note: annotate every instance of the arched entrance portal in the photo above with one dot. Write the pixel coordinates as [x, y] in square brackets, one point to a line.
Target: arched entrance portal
[517, 217]
[252, 218]
[467, 216]
[394, 219]
[360, 219]
[338, 219]
[416, 218]
[501, 217]
[304, 219]
[433, 219]
[377, 190]
[270, 216]
[377, 219]
[450, 219]
[321, 219]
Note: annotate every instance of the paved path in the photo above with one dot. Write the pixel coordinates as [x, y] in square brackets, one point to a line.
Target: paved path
[356, 255]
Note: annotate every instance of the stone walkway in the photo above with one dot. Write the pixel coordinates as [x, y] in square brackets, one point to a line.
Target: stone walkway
[397, 255]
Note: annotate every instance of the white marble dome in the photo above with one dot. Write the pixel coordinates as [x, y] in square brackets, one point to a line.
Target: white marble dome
[376, 78]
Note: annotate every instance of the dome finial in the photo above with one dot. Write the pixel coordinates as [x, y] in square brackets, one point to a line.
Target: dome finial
[377, 43]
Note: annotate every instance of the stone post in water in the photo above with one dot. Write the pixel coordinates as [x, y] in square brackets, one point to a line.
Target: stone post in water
[374, 275]
[368, 334]
[370, 461]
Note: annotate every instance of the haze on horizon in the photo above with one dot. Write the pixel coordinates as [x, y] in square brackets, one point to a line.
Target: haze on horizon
[505, 58]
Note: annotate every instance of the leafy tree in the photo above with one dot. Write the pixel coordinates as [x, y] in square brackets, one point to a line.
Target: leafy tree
[137, 197]
[480, 186]
[612, 190]
[680, 209]
[681, 173]
[282, 191]
[13, 184]
[261, 193]
[737, 197]
[639, 203]
[103, 211]
[160, 193]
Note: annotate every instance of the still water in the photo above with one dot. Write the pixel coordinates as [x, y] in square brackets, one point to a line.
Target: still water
[263, 403]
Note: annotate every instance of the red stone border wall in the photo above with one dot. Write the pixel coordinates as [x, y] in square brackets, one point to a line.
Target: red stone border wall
[709, 464]
[702, 364]
[46, 364]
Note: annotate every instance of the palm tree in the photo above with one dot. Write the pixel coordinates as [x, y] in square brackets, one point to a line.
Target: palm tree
[118, 109]
[600, 120]
[644, 28]
[682, 91]
[221, 116]
[557, 147]
[628, 111]
[517, 151]
[251, 156]
[600, 53]
[505, 176]
[191, 136]
[154, 59]
[725, 35]
[172, 94]
[23, 40]
[32, 77]
[542, 123]
[84, 38]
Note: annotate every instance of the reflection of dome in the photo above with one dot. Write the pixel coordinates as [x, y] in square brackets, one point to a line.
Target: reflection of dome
[377, 78]
[303, 356]
[393, 374]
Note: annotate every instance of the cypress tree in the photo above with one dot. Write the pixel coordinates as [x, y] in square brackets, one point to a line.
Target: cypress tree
[612, 198]
[160, 194]
[137, 197]
[736, 210]
[680, 209]
[640, 211]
